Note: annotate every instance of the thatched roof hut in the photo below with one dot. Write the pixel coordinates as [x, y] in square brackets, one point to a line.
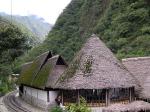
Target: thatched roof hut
[43, 72]
[135, 106]
[95, 67]
[140, 68]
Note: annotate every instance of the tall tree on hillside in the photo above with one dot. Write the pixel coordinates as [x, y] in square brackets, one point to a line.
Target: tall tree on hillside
[13, 43]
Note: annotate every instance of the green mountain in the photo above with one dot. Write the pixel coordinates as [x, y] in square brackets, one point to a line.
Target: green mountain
[123, 24]
[35, 24]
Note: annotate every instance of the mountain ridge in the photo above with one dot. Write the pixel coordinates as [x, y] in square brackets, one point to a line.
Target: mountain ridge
[35, 24]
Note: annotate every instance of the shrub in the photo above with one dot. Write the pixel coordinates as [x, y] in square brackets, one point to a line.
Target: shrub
[56, 109]
[78, 108]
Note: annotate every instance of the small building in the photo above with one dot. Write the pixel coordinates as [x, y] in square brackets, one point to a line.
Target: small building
[38, 78]
[96, 75]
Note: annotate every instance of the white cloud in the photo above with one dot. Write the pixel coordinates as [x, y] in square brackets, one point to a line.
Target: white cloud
[48, 9]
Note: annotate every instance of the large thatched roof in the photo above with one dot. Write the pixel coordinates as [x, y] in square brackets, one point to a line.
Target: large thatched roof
[95, 67]
[37, 73]
[140, 68]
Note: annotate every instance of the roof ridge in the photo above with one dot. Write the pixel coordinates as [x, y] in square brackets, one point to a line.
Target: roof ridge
[135, 58]
[27, 63]
[54, 56]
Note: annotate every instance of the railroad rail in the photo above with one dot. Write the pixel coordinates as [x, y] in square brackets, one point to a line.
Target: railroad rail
[12, 104]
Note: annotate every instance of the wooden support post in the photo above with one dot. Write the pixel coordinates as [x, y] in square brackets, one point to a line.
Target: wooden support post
[47, 96]
[130, 94]
[78, 97]
[62, 98]
[107, 97]
[133, 94]
[31, 95]
[37, 94]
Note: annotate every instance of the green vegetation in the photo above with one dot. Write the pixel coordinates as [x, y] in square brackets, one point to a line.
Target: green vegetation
[36, 73]
[82, 107]
[5, 85]
[13, 43]
[32, 38]
[78, 107]
[28, 74]
[88, 64]
[73, 26]
[72, 68]
[125, 28]
[42, 76]
[56, 109]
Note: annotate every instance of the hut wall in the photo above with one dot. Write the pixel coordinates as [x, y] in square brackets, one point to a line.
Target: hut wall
[35, 97]
[52, 96]
[34, 101]
[39, 98]
[39, 94]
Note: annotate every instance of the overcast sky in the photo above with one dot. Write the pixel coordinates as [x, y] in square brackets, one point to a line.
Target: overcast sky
[48, 9]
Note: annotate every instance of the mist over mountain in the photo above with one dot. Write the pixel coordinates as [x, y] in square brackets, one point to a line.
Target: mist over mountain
[37, 25]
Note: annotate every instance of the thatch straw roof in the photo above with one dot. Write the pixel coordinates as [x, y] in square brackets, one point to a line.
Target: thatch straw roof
[135, 106]
[57, 70]
[30, 71]
[145, 92]
[140, 68]
[37, 73]
[95, 67]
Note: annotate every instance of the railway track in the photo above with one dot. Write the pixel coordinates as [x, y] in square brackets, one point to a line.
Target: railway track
[12, 104]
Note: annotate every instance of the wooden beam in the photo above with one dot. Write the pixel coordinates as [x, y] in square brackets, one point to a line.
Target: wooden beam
[131, 94]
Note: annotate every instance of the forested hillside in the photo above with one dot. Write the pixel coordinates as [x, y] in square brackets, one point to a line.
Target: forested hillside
[13, 43]
[125, 27]
[35, 24]
[123, 24]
